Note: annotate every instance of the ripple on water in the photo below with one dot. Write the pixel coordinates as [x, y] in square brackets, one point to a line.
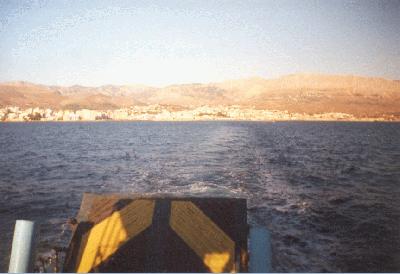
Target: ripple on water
[328, 192]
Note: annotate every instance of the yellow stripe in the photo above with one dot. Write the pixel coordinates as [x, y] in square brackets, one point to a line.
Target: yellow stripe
[108, 235]
[202, 235]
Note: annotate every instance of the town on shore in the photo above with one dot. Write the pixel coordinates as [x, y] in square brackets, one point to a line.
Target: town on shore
[171, 113]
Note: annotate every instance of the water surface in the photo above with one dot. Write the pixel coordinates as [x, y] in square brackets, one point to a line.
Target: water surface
[328, 192]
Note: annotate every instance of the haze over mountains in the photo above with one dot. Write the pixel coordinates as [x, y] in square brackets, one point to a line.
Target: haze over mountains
[301, 93]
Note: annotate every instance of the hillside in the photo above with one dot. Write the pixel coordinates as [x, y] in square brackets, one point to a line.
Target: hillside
[301, 93]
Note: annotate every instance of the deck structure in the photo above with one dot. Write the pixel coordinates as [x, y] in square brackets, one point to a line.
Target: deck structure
[154, 233]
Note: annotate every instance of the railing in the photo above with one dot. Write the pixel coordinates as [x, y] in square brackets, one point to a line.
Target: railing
[23, 246]
[260, 250]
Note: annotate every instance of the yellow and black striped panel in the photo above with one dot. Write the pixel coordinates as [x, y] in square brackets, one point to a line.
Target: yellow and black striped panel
[159, 234]
[200, 233]
[107, 236]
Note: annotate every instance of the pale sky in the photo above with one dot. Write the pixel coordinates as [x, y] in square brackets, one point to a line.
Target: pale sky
[163, 42]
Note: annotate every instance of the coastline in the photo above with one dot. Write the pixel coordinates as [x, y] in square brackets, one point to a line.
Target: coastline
[171, 113]
[204, 120]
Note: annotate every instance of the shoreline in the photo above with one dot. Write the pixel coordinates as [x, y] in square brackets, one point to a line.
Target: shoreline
[205, 120]
[161, 113]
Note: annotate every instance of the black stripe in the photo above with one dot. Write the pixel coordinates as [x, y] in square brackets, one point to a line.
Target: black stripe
[157, 234]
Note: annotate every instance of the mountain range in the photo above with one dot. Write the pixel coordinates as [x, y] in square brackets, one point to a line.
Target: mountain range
[300, 93]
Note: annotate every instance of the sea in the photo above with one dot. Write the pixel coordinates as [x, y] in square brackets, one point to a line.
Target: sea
[328, 192]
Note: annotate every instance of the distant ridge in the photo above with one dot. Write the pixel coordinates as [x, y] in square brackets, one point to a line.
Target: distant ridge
[302, 92]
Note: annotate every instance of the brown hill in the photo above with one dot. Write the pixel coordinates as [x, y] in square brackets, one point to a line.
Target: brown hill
[308, 93]
[321, 93]
[26, 95]
[186, 95]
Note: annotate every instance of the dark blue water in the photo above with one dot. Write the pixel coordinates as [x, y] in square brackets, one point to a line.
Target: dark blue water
[329, 192]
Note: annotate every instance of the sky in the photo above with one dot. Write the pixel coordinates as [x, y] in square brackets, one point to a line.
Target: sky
[170, 42]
